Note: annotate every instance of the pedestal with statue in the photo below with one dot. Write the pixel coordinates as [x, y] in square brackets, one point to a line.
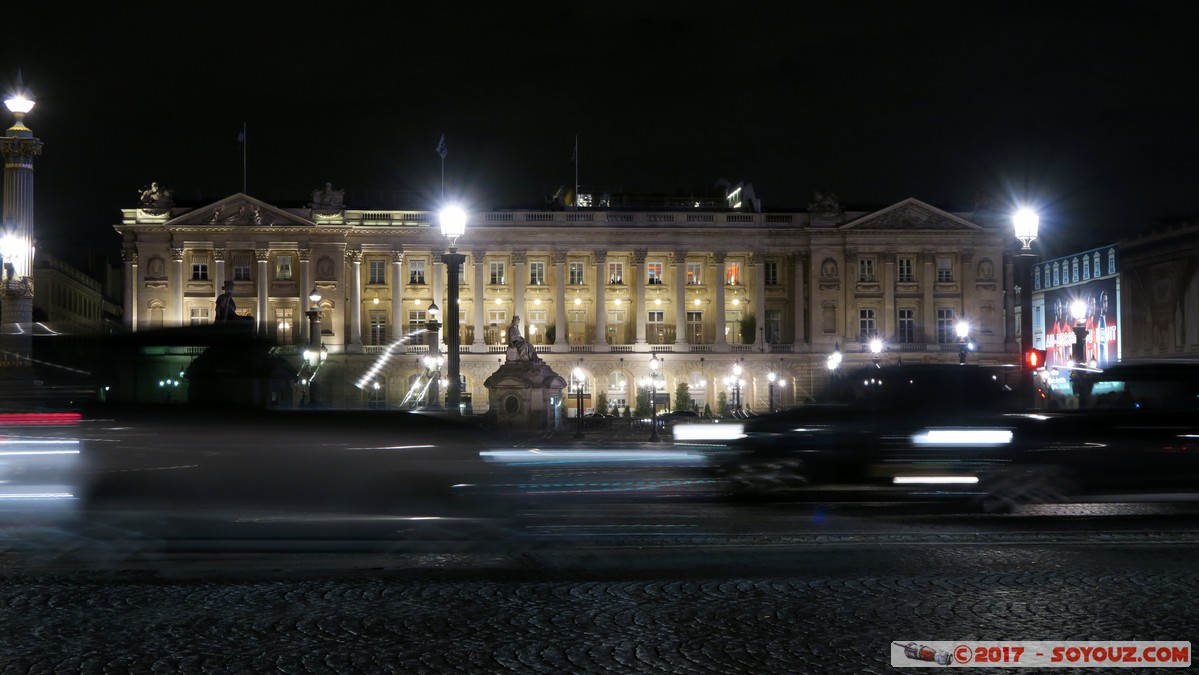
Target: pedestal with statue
[524, 392]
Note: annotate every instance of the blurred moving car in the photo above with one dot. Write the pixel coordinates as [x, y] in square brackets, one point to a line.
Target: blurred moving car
[934, 432]
[197, 458]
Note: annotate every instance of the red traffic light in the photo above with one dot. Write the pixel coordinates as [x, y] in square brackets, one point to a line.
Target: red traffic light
[1034, 358]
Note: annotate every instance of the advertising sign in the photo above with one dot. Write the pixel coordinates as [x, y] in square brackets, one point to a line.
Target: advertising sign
[1101, 346]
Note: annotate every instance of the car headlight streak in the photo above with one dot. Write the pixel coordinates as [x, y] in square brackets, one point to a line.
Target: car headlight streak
[958, 437]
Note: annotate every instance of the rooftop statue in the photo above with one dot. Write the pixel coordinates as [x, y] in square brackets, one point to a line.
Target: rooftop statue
[157, 198]
[327, 198]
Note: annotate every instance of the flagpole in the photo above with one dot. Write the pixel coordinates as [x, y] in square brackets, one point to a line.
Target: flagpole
[244, 143]
[576, 171]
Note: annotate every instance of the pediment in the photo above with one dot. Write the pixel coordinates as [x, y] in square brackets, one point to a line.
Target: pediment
[240, 209]
[911, 214]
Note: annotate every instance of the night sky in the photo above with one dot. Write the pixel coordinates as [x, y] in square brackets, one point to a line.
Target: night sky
[1087, 110]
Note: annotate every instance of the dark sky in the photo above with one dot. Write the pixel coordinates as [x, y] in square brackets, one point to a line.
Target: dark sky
[1087, 109]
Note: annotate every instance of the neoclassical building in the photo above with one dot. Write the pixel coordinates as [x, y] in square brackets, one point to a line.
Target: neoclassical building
[598, 290]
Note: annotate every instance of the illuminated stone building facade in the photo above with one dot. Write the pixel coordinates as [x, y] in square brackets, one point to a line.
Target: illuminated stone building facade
[595, 289]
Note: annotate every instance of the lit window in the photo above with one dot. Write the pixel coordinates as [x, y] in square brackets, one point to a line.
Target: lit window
[694, 273]
[537, 274]
[576, 274]
[283, 267]
[653, 272]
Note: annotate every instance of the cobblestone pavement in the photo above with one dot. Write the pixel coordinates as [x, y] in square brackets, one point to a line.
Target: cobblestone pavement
[786, 609]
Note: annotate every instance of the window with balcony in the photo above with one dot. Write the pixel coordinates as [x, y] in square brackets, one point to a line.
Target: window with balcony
[537, 273]
[695, 273]
[496, 273]
[732, 273]
[199, 271]
[945, 331]
[655, 320]
[199, 316]
[695, 327]
[867, 328]
[416, 272]
[378, 326]
[905, 273]
[944, 270]
[653, 271]
[376, 272]
[616, 273]
[537, 320]
[284, 325]
[906, 328]
[418, 322]
[575, 271]
[773, 328]
[771, 272]
[283, 267]
[865, 269]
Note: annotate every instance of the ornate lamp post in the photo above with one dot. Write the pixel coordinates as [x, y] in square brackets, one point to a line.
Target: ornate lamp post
[18, 148]
[579, 379]
[737, 382]
[654, 365]
[770, 378]
[876, 348]
[453, 225]
[963, 330]
[433, 360]
[313, 354]
[1025, 222]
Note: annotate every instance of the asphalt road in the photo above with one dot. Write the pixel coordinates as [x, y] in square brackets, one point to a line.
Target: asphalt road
[832, 600]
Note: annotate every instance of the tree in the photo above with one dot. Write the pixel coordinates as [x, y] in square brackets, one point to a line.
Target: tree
[749, 326]
[682, 397]
[627, 412]
[644, 407]
[722, 405]
[601, 402]
[551, 332]
[615, 410]
[707, 410]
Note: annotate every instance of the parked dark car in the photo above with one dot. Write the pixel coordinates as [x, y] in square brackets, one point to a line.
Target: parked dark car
[958, 432]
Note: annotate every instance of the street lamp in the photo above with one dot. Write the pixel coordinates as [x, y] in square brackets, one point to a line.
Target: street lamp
[433, 360]
[770, 378]
[737, 382]
[876, 348]
[453, 225]
[963, 330]
[654, 364]
[1078, 310]
[1025, 222]
[578, 378]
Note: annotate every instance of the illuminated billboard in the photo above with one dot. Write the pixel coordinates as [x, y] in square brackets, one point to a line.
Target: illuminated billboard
[1099, 303]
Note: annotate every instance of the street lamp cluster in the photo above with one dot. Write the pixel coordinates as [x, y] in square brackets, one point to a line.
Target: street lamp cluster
[579, 379]
[654, 364]
[1025, 222]
[735, 382]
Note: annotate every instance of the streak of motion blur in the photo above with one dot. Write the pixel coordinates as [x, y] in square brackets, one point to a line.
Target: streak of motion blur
[933, 432]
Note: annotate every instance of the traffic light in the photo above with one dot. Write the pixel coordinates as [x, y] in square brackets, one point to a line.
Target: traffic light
[1034, 358]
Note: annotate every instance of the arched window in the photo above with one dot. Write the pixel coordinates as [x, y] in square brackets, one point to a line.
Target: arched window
[1056, 274]
[1111, 261]
[1098, 271]
[1074, 267]
[1037, 278]
[1086, 268]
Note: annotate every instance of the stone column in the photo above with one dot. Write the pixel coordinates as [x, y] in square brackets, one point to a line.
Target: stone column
[561, 323]
[306, 285]
[758, 260]
[721, 343]
[680, 299]
[129, 257]
[928, 283]
[263, 282]
[479, 258]
[179, 281]
[890, 312]
[437, 287]
[800, 262]
[519, 279]
[558, 257]
[638, 274]
[966, 312]
[399, 327]
[355, 342]
[601, 306]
